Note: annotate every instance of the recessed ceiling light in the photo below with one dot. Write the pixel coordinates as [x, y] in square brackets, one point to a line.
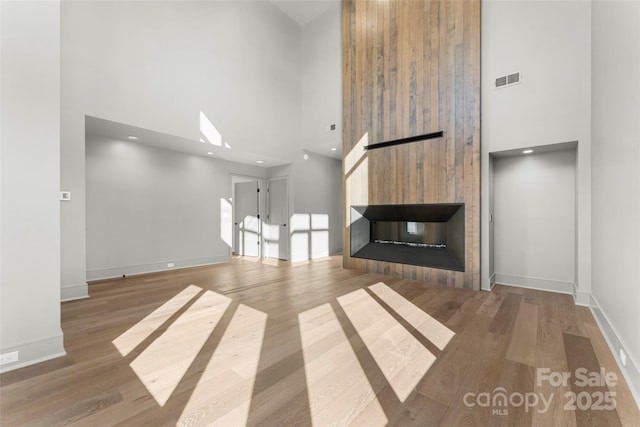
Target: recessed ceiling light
[527, 152]
[210, 153]
[334, 149]
[260, 161]
[133, 138]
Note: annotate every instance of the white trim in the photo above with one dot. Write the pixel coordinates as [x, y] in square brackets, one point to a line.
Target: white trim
[35, 351]
[580, 298]
[630, 372]
[488, 285]
[549, 285]
[262, 183]
[130, 270]
[74, 292]
[287, 255]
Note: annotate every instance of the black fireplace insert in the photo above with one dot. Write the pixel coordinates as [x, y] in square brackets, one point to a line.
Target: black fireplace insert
[427, 235]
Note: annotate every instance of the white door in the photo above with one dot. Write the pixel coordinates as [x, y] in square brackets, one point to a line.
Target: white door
[277, 228]
[246, 208]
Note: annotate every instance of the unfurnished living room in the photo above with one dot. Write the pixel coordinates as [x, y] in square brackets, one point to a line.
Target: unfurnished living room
[314, 213]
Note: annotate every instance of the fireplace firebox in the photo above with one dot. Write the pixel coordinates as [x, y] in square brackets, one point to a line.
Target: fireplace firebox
[427, 235]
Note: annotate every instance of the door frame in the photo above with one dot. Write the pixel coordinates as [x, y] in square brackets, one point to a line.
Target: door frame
[287, 207]
[235, 179]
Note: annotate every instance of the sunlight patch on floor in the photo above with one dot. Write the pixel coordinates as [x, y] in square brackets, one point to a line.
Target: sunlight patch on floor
[339, 391]
[133, 336]
[223, 394]
[163, 364]
[429, 327]
[400, 356]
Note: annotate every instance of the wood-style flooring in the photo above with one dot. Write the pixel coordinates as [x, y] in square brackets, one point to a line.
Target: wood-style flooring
[275, 343]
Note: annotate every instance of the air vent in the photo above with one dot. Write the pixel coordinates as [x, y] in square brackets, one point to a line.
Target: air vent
[508, 80]
[501, 81]
[513, 78]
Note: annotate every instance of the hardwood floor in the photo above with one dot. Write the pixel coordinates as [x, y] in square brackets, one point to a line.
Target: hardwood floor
[275, 343]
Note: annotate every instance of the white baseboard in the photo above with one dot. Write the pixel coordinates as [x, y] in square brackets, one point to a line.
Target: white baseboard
[304, 256]
[581, 298]
[35, 351]
[113, 272]
[549, 285]
[630, 371]
[74, 292]
[488, 284]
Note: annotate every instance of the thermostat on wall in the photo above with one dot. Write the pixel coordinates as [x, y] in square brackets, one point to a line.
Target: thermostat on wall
[65, 195]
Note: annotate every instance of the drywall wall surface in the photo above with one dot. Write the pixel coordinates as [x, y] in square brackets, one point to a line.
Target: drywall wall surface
[317, 191]
[322, 82]
[615, 172]
[158, 65]
[30, 177]
[534, 217]
[315, 205]
[549, 43]
[148, 207]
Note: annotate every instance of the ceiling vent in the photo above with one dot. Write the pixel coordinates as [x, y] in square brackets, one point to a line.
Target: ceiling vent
[508, 80]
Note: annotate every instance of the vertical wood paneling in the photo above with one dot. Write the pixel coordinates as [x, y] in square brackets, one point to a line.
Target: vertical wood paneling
[412, 67]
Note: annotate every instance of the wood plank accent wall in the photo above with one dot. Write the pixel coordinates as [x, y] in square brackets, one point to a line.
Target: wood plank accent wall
[409, 68]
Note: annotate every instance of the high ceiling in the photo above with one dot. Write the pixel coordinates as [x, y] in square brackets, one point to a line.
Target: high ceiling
[302, 12]
[121, 132]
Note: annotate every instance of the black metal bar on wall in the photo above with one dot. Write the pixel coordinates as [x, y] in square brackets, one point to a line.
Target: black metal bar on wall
[432, 135]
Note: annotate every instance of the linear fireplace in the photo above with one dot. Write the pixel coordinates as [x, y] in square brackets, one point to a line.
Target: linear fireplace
[427, 235]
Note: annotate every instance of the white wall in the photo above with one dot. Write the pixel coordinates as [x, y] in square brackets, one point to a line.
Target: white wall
[616, 177]
[315, 204]
[156, 65]
[549, 42]
[534, 217]
[322, 82]
[30, 176]
[317, 191]
[147, 207]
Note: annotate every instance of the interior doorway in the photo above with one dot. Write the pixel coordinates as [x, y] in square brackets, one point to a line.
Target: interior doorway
[247, 229]
[533, 222]
[276, 233]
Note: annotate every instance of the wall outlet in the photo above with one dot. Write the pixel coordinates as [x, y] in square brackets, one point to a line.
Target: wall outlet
[170, 264]
[623, 358]
[8, 358]
[65, 196]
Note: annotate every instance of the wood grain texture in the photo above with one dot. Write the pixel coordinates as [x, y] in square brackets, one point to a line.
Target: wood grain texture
[411, 67]
[624, 398]
[306, 344]
[525, 332]
[550, 354]
[580, 355]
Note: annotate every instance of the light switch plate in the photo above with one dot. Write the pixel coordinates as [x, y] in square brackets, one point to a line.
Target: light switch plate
[65, 196]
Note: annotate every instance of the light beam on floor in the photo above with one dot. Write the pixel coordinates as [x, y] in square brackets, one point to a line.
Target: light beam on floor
[223, 393]
[400, 356]
[164, 362]
[133, 336]
[429, 327]
[339, 391]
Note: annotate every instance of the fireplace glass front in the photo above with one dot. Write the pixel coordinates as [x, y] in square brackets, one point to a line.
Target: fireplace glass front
[427, 235]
